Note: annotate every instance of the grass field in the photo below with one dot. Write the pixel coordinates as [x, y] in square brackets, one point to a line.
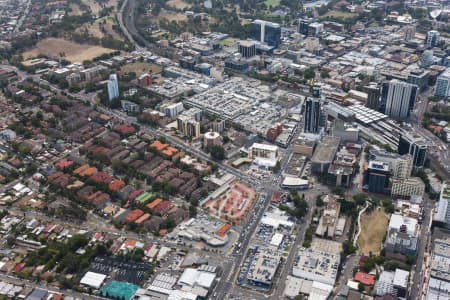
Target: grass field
[373, 230]
[227, 42]
[75, 10]
[179, 4]
[338, 14]
[94, 28]
[171, 16]
[96, 7]
[141, 67]
[73, 52]
[273, 3]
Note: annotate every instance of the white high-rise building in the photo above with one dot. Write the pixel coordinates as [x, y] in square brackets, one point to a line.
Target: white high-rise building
[433, 38]
[398, 98]
[113, 87]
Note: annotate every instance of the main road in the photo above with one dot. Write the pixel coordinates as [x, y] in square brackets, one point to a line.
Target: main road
[179, 143]
[147, 129]
[26, 283]
[423, 241]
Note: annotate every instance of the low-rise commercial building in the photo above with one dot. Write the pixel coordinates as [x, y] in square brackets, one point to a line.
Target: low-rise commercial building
[263, 151]
[438, 284]
[316, 265]
[408, 187]
[392, 283]
[442, 214]
[264, 267]
[324, 154]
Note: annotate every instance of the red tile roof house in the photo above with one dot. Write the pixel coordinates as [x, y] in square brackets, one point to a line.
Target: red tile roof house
[163, 207]
[147, 249]
[177, 215]
[124, 129]
[63, 181]
[54, 176]
[154, 223]
[101, 177]
[84, 193]
[49, 228]
[134, 194]
[64, 163]
[364, 278]
[177, 182]
[116, 184]
[98, 198]
[134, 215]
[19, 267]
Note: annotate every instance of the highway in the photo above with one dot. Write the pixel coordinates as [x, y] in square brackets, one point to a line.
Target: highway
[124, 29]
[126, 23]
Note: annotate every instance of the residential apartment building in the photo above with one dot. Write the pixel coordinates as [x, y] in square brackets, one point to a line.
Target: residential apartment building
[188, 126]
[263, 151]
[113, 87]
[443, 84]
[398, 98]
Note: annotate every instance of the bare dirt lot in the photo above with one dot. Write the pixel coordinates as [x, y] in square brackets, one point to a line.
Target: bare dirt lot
[75, 10]
[73, 52]
[141, 67]
[171, 16]
[373, 229]
[179, 4]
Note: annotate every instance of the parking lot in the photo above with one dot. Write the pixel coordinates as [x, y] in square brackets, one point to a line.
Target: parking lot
[242, 278]
[120, 269]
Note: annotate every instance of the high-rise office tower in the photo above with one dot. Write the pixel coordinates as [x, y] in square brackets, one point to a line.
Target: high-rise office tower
[373, 95]
[266, 32]
[410, 32]
[414, 145]
[317, 90]
[376, 178]
[113, 87]
[419, 77]
[303, 25]
[312, 115]
[443, 84]
[247, 48]
[398, 98]
[400, 165]
[433, 38]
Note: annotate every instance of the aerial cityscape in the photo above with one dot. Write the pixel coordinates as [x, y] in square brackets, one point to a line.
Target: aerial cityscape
[225, 149]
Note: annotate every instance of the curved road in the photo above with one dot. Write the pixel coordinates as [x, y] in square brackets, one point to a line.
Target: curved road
[126, 18]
